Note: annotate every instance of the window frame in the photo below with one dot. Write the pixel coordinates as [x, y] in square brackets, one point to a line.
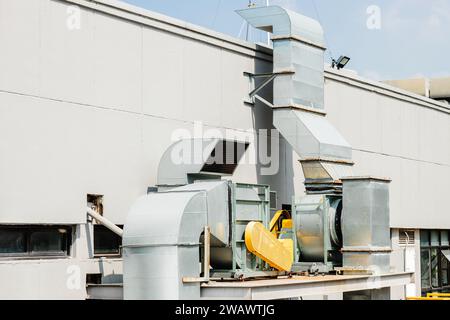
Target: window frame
[427, 246]
[117, 254]
[28, 230]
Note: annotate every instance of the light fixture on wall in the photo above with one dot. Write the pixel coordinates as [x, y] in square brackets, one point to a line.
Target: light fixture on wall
[340, 63]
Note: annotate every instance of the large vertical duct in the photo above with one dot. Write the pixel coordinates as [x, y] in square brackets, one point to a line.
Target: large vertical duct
[298, 94]
[366, 230]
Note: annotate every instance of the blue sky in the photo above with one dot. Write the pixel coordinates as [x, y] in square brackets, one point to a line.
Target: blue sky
[413, 39]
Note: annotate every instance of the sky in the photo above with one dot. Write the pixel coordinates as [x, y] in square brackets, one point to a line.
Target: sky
[385, 39]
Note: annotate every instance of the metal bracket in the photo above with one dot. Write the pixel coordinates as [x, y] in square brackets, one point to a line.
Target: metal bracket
[267, 103]
[270, 77]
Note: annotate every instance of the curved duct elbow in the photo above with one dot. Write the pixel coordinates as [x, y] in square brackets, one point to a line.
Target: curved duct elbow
[298, 46]
[162, 237]
[161, 245]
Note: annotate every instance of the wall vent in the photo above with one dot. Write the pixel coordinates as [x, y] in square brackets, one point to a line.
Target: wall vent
[273, 200]
[406, 237]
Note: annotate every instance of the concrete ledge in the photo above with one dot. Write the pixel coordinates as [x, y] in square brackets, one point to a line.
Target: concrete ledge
[302, 286]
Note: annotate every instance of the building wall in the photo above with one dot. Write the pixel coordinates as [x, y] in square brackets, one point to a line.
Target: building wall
[92, 110]
[397, 135]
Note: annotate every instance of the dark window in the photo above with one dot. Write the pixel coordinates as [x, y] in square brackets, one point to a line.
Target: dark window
[444, 270]
[434, 268]
[106, 242]
[32, 241]
[434, 255]
[48, 241]
[424, 238]
[425, 268]
[273, 200]
[12, 241]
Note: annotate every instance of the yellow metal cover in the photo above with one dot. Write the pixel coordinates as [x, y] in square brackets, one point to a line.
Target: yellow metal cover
[274, 225]
[266, 246]
[287, 224]
[288, 245]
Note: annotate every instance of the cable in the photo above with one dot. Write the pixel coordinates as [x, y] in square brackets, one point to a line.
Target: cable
[250, 5]
[241, 29]
[219, 3]
[267, 3]
[330, 53]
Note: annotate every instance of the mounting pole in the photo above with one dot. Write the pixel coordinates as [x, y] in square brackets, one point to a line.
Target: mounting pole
[268, 33]
[207, 253]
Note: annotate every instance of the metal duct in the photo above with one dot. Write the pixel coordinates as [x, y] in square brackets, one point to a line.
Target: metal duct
[318, 226]
[419, 86]
[440, 88]
[162, 237]
[199, 159]
[298, 93]
[218, 211]
[437, 88]
[365, 222]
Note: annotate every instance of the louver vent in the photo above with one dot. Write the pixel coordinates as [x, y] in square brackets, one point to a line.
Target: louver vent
[273, 200]
[406, 237]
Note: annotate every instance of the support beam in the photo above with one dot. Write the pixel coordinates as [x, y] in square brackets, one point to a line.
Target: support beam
[301, 286]
[102, 220]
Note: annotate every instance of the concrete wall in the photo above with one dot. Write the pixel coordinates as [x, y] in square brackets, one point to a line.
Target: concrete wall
[397, 135]
[52, 278]
[92, 110]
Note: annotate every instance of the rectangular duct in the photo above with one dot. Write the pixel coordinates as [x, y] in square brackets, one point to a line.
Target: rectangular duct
[366, 228]
[298, 91]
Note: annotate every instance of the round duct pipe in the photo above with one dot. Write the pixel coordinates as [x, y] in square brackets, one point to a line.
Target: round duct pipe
[318, 227]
